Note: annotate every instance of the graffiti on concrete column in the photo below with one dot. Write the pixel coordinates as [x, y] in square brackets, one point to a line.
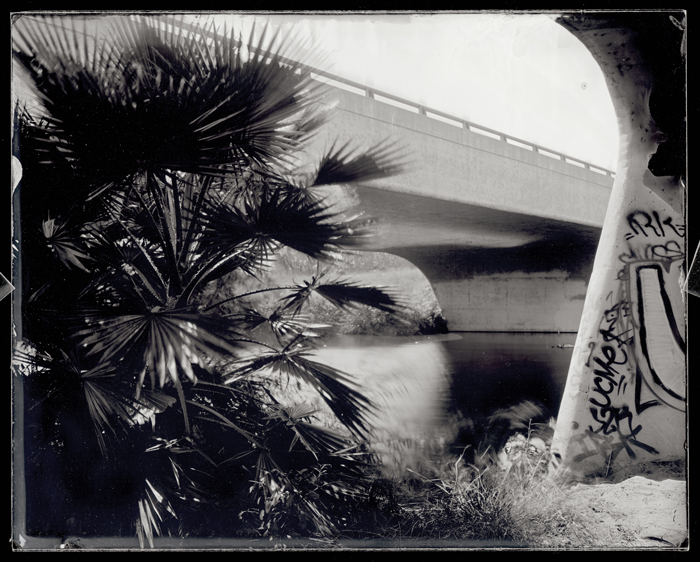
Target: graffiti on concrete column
[651, 224]
[650, 271]
[637, 358]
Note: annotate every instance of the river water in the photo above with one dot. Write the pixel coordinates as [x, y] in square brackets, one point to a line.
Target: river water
[497, 370]
[435, 392]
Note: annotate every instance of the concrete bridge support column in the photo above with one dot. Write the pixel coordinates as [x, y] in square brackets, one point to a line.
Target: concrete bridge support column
[625, 397]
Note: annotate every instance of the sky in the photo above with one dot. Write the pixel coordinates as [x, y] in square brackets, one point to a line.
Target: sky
[521, 74]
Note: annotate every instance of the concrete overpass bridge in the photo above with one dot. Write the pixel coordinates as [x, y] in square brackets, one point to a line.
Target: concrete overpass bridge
[505, 231]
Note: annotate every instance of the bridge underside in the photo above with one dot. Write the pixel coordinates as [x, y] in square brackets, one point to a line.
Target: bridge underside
[505, 234]
[490, 270]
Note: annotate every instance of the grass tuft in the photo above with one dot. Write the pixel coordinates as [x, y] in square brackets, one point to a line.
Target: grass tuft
[524, 502]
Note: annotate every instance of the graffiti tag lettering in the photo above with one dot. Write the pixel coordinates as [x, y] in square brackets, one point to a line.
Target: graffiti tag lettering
[647, 224]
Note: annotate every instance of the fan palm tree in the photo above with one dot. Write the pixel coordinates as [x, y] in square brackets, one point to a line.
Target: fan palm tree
[164, 159]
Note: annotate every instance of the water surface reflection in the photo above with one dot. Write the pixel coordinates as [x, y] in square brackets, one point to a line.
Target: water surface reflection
[436, 391]
[496, 370]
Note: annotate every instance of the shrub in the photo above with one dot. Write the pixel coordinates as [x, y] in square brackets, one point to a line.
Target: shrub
[160, 161]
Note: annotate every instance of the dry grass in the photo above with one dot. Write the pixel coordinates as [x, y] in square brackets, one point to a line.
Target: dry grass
[526, 505]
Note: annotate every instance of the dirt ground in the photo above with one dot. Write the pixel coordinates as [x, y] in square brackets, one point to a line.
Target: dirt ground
[648, 510]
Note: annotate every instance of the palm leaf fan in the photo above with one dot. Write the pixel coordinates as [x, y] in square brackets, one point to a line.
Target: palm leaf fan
[153, 102]
[343, 294]
[346, 403]
[163, 343]
[344, 165]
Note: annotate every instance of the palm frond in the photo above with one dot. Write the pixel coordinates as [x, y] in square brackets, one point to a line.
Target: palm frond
[249, 319]
[279, 218]
[347, 404]
[129, 267]
[169, 101]
[219, 418]
[152, 508]
[166, 484]
[64, 244]
[165, 156]
[344, 165]
[108, 402]
[162, 343]
[343, 294]
[316, 439]
[308, 227]
[283, 325]
[346, 294]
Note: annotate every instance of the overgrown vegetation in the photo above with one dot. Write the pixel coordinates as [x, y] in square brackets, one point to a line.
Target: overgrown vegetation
[161, 160]
[522, 503]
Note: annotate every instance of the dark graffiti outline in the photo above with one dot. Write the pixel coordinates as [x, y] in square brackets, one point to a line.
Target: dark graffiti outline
[606, 447]
[617, 315]
[639, 381]
[659, 257]
[617, 326]
[638, 228]
[664, 254]
[621, 387]
[670, 317]
[591, 346]
[672, 251]
[609, 417]
[673, 326]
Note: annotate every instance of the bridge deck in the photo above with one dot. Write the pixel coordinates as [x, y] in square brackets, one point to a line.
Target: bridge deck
[455, 164]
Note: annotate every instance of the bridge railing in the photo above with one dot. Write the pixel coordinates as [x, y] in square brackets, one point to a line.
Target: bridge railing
[380, 96]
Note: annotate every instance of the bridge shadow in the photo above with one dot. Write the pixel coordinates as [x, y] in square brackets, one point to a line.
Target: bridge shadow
[571, 254]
